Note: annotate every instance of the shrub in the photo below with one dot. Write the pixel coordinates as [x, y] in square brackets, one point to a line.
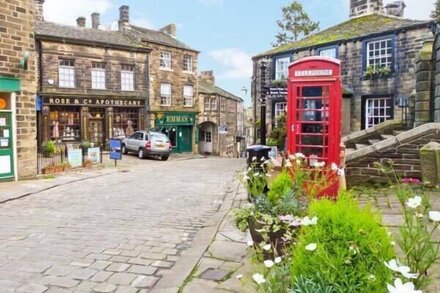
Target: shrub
[351, 248]
[280, 187]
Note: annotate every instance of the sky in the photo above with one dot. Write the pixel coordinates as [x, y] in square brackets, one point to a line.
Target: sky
[226, 32]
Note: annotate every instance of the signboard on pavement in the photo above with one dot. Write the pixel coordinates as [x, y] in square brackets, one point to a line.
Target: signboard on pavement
[74, 157]
[115, 149]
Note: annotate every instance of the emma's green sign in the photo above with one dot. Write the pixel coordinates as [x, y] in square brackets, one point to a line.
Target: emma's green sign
[174, 118]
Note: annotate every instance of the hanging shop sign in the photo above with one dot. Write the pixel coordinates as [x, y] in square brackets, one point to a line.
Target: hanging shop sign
[174, 118]
[94, 102]
[276, 92]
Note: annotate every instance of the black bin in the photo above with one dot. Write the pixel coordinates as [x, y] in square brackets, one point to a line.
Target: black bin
[258, 151]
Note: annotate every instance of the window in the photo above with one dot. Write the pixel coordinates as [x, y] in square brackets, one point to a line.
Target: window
[165, 94]
[66, 73]
[65, 124]
[377, 110]
[329, 52]
[125, 121]
[281, 68]
[207, 104]
[379, 54]
[213, 104]
[127, 77]
[280, 109]
[98, 75]
[223, 102]
[187, 63]
[165, 60]
[188, 96]
[208, 136]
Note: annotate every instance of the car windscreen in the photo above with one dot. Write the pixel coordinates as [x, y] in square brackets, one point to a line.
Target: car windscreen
[157, 136]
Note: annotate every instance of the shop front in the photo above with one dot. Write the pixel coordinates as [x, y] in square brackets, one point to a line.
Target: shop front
[179, 126]
[8, 155]
[75, 120]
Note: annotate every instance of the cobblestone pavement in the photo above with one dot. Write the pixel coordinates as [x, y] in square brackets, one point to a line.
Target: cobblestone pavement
[120, 232]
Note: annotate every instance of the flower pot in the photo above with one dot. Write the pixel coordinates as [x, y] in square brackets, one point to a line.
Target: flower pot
[48, 170]
[275, 238]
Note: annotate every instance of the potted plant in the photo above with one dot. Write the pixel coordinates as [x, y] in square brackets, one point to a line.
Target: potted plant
[85, 145]
[49, 169]
[48, 148]
[88, 163]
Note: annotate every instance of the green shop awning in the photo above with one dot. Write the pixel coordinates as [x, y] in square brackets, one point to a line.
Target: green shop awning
[9, 84]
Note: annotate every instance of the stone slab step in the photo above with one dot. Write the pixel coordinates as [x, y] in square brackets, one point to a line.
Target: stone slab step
[361, 145]
[386, 136]
[397, 132]
[373, 141]
[349, 150]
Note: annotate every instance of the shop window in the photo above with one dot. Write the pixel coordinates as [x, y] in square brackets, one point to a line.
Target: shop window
[165, 94]
[213, 104]
[98, 75]
[125, 122]
[187, 63]
[65, 124]
[66, 72]
[188, 96]
[165, 60]
[127, 77]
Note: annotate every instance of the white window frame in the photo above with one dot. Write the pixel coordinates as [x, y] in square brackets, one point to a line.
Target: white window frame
[165, 60]
[188, 63]
[188, 94]
[213, 102]
[207, 103]
[282, 68]
[66, 73]
[280, 108]
[376, 109]
[165, 94]
[331, 52]
[127, 78]
[384, 56]
[98, 76]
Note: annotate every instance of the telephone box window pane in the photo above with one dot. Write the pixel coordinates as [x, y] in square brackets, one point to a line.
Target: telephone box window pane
[310, 140]
[312, 91]
[312, 151]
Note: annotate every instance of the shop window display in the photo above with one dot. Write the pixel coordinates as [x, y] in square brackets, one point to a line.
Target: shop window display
[125, 122]
[65, 124]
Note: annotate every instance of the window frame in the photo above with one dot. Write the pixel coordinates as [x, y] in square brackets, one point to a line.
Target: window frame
[165, 98]
[364, 109]
[278, 112]
[164, 60]
[127, 72]
[275, 66]
[326, 48]
[213, 102]
[189, 65]
[70, 81]
[100, 71]
[188, 98]
[365, 57]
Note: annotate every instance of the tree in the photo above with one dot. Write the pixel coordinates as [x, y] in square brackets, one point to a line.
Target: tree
[435, 14]
[295, 24]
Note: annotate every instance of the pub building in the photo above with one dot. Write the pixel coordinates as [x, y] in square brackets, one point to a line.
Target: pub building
[93, 84]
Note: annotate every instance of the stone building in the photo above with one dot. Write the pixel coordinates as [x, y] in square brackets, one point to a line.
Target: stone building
[173, 82]
[220, 120]
[18, 143]
[93, 84]
[377, 48]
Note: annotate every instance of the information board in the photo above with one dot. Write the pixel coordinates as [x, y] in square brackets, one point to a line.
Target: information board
[74, 157]
[115, 149]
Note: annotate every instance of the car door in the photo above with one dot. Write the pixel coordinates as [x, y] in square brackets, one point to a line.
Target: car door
[131, 142]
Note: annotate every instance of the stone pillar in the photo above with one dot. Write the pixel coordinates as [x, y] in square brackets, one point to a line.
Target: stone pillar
[436, 72]
[411, 109]
[423, 84]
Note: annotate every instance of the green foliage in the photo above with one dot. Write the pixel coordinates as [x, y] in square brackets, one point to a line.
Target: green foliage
[295, 24]
[279, 133]
[435, 14]
[316, 285]
[351, 247]
[277, 279]
[49, 147]
[372, 71]
[241, 217]
[280, 187]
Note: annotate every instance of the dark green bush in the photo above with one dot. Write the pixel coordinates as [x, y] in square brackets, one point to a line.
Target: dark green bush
[351, 248]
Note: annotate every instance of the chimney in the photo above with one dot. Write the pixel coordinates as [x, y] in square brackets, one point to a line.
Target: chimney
[95, 20]
[81, 21]
[169, 30]
[208, 76]
[364, 7]
[39, 10]
[124, 16]
[396, 8]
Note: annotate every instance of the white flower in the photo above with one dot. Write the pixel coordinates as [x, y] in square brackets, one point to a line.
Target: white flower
[267, 247]
[299, 156]
[258, 278]
[250, 243]
[371, 277]
[268, 175]
[262, 159]
[334, 167]
[434, 216]
[288, 164]
[254, 158]
[268, 263]
[311, 247]
[239, 276]
[393, 243]
[404, 270]
[399, 287]
[246, 178]
[306, 221]
[392, 265]
[414, 202]
[298, 162]
[256, 174]
[277, 259]
[341, 172]
[286, 218]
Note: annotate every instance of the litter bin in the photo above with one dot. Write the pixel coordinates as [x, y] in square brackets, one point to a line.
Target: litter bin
[257, 151]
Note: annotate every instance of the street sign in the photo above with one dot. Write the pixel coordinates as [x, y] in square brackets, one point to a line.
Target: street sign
[276, 92]
[115, 149]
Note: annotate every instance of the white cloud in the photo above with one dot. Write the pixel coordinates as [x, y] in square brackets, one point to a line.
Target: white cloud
[238, 63]
[66, 12]
[211, 2]
[418, 9]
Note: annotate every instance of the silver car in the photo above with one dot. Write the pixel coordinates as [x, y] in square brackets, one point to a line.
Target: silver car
[148, 143]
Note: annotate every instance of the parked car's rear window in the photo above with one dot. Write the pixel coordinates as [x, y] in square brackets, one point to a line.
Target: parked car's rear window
[159, 136]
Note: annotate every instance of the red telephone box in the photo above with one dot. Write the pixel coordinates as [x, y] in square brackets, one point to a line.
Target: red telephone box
[314, 105]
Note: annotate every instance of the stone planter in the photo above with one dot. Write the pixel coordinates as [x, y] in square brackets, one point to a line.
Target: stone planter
[275, 238]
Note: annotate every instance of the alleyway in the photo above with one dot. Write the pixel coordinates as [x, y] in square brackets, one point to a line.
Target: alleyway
[119, 232]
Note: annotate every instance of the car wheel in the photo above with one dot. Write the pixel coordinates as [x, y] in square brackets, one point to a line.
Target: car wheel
[164, 157]
[141, 153]
[124, 149]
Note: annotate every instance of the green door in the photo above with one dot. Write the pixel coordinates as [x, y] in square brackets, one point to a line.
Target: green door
[6, 146]
[185, 139]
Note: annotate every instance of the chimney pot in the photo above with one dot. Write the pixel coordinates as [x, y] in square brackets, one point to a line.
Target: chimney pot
[208, 76]
[81, 21]
[39, 11]
[124, 16]
[95, 20]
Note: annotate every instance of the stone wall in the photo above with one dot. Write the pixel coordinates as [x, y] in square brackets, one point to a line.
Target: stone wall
[17, 37]
[403, 150]
[424, 70]
[436, 78]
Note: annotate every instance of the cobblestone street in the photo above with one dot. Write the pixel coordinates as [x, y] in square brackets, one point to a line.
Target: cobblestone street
[120, 232]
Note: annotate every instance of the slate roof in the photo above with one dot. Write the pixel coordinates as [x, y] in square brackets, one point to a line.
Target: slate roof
[158, 37]
[207, 88]
[355, 28]
[84, 34]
